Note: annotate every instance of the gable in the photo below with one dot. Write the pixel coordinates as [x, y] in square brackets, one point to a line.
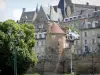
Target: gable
[27, 16]
[41, 16]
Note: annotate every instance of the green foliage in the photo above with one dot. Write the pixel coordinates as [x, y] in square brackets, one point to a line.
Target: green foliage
[67, 74]
[25, 55]
[33, 74]
[72, 28]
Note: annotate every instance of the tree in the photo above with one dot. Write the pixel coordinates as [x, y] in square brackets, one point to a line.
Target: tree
[25, 55]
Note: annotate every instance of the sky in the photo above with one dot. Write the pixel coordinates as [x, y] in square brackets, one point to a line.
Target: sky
[12, 9]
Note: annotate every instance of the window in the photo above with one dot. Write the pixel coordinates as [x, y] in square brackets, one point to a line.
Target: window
[53, 36]
[75, 18]
[45, 35]
[85, 33]
[76, 42]
[41, 18]
[37, 43]
[58, 44]
[40, 35]
[85, 41]
[71, 19]
[86, 49]
[66, 20]
[93, 41]
[79, 16]
[42, 42]
[35, 36]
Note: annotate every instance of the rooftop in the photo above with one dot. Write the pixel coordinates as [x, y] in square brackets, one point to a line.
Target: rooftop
[54, 28]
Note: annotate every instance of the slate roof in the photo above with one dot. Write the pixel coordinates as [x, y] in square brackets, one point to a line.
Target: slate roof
[88, 12]
[27, 16]
[75, 14]
[54, 16]
[86, 6]
[54, 28]
[68, 1]
[55, 8]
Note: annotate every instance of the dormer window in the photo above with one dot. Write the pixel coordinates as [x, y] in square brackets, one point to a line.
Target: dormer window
[88, 15]
[79, 17]
[74, 18]
[66, 20]
[41, 18]
[71, 19]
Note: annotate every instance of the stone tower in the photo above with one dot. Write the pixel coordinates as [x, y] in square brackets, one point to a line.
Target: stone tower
[55, 44]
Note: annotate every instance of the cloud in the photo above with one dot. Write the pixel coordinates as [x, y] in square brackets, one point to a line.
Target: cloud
[2, 4]
[91, 2]
[47, 2]
[95, 2]
[17, 14]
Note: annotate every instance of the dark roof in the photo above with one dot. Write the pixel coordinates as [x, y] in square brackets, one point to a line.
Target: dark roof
[55, 8]
[28, 16]
[97, 25]
[68, 2]
[86, 6]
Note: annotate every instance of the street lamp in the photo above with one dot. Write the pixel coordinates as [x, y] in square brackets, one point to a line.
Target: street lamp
[71, 42]
[92, 54]
[15, 49]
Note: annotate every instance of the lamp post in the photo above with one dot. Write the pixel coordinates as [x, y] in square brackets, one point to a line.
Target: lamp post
[15, 50]
[92, 54]
[92, 64]
[71, 41]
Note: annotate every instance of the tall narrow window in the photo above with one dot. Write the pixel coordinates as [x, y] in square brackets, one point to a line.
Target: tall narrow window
[76, 42]
[85, 33]
[85, 41]
[35, 36]
[93, 41]
[42, 42]
[40, 36]
[86, 49]
[37, 43]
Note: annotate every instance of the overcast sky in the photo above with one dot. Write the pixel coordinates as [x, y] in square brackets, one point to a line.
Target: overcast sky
[12, 9]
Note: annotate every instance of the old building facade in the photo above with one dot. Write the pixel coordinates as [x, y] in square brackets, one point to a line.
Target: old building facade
[66, 14]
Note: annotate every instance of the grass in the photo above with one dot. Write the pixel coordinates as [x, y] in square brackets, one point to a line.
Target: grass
[67, 74]
[32, 74]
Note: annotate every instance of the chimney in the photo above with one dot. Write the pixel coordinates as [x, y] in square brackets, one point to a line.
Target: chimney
[23, 9]
[81, 12]
[95, 8]
[87, 3]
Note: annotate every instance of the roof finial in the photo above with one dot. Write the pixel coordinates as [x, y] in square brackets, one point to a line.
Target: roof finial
[37, 8]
